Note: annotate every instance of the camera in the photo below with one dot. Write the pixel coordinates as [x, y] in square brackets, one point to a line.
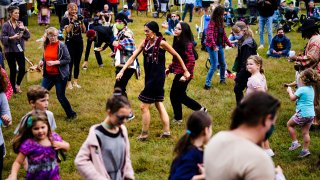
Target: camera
[80, 17]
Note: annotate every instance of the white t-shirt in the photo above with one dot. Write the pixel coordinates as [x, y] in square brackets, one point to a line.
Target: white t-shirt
[228, 156]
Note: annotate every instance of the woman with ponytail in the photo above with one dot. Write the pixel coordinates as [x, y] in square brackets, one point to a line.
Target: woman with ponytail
[188, 162]
[106, 152]
[154, 48]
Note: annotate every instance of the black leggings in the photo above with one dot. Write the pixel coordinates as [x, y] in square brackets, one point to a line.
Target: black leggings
[122, 83]
[75, 49]
[13, 58]
[96, 53]
[178, 96]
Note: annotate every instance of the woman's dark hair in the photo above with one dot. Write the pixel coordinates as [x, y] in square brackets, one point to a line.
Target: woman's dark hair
[25, 131]
[180, 43]
[154, 27]
[217, 15]
[117, 101]
[3, 82]
[307, 34]
[197, 122]
[309, 77]
[253, 110]
[11, 9]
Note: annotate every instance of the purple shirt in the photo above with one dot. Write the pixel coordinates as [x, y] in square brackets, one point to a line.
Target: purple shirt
[42, 161]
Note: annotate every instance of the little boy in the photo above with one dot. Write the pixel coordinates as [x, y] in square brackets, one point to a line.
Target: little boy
[38, 98]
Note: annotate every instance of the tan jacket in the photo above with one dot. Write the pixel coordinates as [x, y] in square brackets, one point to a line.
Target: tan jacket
[89, 160]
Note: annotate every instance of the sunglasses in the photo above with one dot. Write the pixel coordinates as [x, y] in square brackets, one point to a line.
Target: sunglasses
[52, 35]
[122, 118]
[173, 16]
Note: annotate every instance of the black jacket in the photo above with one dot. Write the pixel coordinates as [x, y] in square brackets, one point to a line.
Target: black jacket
[104, 35]
[246, 49]
[265, 9]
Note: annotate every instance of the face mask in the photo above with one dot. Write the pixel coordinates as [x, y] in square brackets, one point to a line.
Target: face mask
[280, 35]
[119, 26]
[269, 132]
[238, 37]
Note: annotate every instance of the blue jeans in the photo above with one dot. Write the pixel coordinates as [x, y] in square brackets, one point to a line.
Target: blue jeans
[216, 56]
[187, 7]
[265, 21]
[49, 81]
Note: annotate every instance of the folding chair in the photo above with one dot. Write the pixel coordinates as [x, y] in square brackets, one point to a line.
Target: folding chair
[163, 8]
[142, 5]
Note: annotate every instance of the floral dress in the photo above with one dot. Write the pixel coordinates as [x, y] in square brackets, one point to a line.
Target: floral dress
[42, 161]
[154, 67]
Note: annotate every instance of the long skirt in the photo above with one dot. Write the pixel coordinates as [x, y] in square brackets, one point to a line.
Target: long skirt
[44, 18]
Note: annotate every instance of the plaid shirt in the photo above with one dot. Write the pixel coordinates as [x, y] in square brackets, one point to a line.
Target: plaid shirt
[212, 36]
[127, 44]
[176, 68]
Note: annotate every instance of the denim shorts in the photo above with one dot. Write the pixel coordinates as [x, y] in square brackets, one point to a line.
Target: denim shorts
[302, 120]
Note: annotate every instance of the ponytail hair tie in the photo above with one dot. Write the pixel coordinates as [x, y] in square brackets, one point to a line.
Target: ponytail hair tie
[188, 132]
[117, 94]
[29, 121]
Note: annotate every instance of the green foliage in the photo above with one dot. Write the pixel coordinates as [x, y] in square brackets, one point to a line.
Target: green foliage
[152, 159]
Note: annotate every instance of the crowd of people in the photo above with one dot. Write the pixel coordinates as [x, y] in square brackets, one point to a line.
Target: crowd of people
[105, 154]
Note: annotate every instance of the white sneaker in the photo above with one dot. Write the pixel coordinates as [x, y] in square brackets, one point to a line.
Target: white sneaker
[76, 85]
[269, 152]
[227, 48]
[261, 47]
[177, 121]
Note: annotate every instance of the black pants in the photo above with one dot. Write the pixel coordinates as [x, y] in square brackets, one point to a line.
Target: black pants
[178, 96]
[60, 10]
[23, 15]
[1, 159]
[13, 58]
[240, 84]
[122, 83]
[75, 49]
[96, 53]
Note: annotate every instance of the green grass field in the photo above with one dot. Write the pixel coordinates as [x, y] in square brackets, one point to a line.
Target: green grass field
[152, 159]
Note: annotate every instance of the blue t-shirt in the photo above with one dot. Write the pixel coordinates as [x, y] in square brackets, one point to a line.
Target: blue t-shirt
[186, 166]
[304, 103]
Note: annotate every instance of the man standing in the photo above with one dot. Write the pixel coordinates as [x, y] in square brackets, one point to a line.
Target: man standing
[266, 10]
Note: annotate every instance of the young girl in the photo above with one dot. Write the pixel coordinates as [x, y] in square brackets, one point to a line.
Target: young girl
[153, 48]
[246, 47]
[39, 146]
[189, 150]
[215, 42]
[106, 152]
[257, 82]
[304, 97]
[182, 43]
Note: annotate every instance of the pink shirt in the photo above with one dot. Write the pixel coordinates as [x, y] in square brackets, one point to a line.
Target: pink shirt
[255, 82]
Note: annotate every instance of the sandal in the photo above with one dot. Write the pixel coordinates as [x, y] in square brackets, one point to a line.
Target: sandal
[165, 135]
[143, 136]
[85, 65]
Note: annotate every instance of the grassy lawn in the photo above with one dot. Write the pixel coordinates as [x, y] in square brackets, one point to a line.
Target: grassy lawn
[152, 159]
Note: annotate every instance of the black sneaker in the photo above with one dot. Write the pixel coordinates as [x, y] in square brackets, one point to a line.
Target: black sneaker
[72, 117]
[206, 87]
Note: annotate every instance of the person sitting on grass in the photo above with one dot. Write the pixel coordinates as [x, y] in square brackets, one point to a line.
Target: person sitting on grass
[126, 12]
[280, 45]
[172, 23]
[305, 113]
